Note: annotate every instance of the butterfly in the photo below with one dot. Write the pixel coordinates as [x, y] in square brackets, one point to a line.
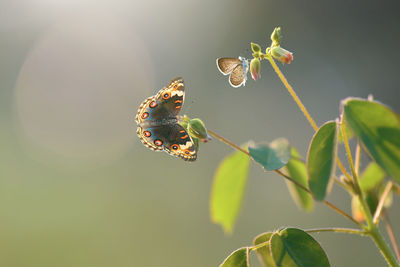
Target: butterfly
[158, 122]
[236, 67]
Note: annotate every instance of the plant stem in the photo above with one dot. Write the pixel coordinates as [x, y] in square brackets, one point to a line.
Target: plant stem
[357, 158]
[302, 107]
[383, 247]
[338, 230]
[338, 210]
[390, 233]
[293, 93]
[382, 201]
[320, 230]
[372, 229]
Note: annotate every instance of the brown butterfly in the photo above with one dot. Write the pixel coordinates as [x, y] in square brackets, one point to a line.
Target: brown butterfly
[237, 69]
[158, 122]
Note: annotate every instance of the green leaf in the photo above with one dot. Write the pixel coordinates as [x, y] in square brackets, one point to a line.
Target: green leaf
[293, 247]
[273, 156]
[371, 176]
[321, 159]
[263, 252]
[238, 258]
[296, 169]
[349, 133]
[378, 128]
[228, 189]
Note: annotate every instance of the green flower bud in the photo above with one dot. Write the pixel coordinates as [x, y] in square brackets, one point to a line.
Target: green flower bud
[255, 47]
[255, 69]
[197, 129]
[281, 54]
[183, 121]
[276, 36]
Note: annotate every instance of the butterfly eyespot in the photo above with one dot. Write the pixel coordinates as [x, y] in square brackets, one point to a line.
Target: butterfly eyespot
[175, 86]
[145, 115]
[187, 152]
[153, 104]
[174, 147]
[147, 133]
[158, 142]
[166, 96]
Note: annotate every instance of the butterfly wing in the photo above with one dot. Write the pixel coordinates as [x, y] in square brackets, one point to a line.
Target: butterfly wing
[163, 106]
[238, 75]
[227, 64]
[171, 138]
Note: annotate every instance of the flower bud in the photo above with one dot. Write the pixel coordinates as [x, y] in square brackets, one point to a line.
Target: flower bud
[276, 36]
[282, 55]
[255, 47]
[197, 129]
[255, 69]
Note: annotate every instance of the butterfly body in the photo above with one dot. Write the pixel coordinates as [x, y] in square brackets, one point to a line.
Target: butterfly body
[158, 122]
[236, 68]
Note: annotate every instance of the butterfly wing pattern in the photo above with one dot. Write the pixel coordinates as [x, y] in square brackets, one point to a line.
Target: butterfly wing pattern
[158, 126]
[237, 69]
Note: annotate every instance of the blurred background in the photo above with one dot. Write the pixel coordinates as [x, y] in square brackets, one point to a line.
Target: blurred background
[77, 187]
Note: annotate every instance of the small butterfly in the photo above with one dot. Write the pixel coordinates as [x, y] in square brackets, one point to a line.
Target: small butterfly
[158, 122]
[236, 67]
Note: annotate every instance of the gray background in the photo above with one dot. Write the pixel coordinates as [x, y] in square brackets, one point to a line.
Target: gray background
[77, 188]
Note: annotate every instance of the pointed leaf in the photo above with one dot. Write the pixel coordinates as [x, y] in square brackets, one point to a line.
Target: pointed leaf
[293, 247]
[228, 189]
[371, 176]
[321, 160]
[296, 169]
[238, 258]
[378, 128]
[273, 156]
[263, 252]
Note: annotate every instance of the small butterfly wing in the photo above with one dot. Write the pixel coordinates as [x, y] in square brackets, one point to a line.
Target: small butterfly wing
[226, 64]
[170, 99]
[163, 106]
[238, 76]
[172, 138]
[144, 112]
[146, 135]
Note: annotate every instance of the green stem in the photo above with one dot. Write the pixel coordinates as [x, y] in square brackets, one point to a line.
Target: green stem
[338, 230]
[320, 230]
[371, 228]
[390, 233]
[383, 247]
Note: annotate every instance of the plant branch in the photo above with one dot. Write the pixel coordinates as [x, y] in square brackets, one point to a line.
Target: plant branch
[379, 208]
[338, 230]
[320, 230]
[302, 108]
[338, 210]
[357, 158]
[390, 233]
[371, 226]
